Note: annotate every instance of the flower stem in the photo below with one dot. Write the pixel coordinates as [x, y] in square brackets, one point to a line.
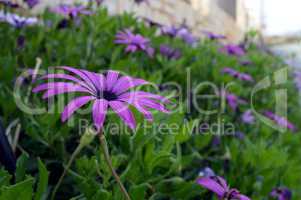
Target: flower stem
[74, 154]
[105, 150]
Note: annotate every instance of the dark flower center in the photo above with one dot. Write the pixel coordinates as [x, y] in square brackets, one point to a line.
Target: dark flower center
[107, 95]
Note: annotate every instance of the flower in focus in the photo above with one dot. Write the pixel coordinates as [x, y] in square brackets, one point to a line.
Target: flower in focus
[134, 42]
[281, 193]
[18, 21]
[232, 100]
[233, 49]
[281, 121]
[110, 90]
[213, 36]
[247, 117]
[71, 11]
[169, 52]
[31, 3]
[219, 186]
[181, 32]
[236, 74]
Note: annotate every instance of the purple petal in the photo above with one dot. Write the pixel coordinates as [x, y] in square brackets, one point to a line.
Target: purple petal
[243, 197]
[56, 91]
[100, 107]
[74, 105]
[51, 85]
[212, 185]
[124, 113]
[125, 83]
[152, 104]
[111, 79]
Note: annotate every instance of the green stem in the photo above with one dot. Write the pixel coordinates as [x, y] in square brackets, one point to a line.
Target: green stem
[106, 153]
[73, 156]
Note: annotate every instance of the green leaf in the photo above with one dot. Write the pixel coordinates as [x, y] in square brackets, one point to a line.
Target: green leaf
[21, 167]
[20, 191]
[43, 182]
[138, 192]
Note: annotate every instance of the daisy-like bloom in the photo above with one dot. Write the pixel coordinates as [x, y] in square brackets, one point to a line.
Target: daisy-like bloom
[170, 52]
[232, 100]
[233, 49]
[281, 121]
[236, 74]
[219, 186]
[281, 193]
[18, 21]
[181, 32]
[31, 3]
[71, 11]
[110, 90]
[213, 36]
[248, 117]
[134, 42]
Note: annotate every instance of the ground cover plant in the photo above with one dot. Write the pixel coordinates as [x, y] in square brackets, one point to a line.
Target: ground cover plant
[221, 128]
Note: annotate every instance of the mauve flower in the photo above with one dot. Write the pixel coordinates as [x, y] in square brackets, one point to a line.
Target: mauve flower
[232, 100]
[170, 52]
[110, 90]
[181, 32]
[233, 49]
[213, 36]
[281, 193]
[219, 186]
[236, 74]
[18, 21]
[134, 42]
[31, 3]
[206, 172]
[71, 11]
[9, 3]
[248, 117]
[239, 135]
[281, 121]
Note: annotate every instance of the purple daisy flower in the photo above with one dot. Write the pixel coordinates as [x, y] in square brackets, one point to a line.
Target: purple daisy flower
[134, 42]
[181, 32]
[281, 121]
[219, 186]
[169, 52]
[31, 3]
[71, 11]
[9, 3]
[236, 74]
[110, 90]
[233, 49]
[248, 117]
[232, 100]
[18, 21]
[213, 36]
[281, 193]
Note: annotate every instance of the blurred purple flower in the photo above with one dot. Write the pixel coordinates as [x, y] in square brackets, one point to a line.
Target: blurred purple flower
[110, 90]
[170, 52]
[9, 3]
[233, 49]
[232, 100]
[21, 42]
[18, 21]
[206, 172]
[248, 117]
[181, 32]
[281, 121]
[239, 135]
[213, 36]
[297, 80]
[236, 74]
[71, 11]
[134, 42]
[246, 62]
[220, 187]
[31, 3]
[140, 1]
[281, 193]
